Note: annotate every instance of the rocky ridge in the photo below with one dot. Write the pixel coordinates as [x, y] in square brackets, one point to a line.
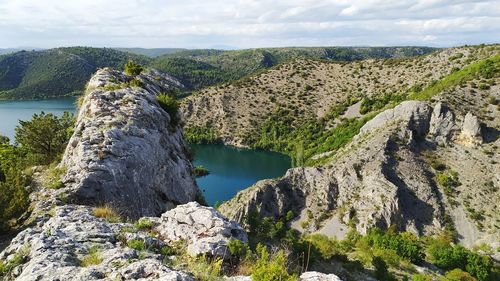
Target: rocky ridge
[124, 151]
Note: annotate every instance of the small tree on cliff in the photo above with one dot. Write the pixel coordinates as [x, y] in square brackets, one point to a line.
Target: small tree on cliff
[132, 68]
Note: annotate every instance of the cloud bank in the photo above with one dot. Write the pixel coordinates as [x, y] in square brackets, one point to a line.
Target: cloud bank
[247, 23]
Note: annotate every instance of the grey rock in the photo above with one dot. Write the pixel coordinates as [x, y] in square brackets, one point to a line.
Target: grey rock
[55, 250]
[124, 152]
[318, 276]
[442, 124]
[471, 130]
[203, 228]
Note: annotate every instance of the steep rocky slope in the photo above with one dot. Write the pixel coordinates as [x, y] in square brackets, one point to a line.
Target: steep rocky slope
[124, 150]
[311, 89]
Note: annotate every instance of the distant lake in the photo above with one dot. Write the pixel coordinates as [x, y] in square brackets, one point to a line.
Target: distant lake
[13, 111]
[231, 169]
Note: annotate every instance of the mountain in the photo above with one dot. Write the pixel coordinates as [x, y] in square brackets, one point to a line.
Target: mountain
[152, 53]
[55, 72]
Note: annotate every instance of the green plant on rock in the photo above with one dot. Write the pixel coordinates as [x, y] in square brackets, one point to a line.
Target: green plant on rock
[93, 257]
[136, 244]
[53, 177]
[171, 106]
[132, 68]
[271, 267]
[143, 224]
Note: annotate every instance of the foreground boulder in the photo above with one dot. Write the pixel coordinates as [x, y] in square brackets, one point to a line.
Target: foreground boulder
[203, 229]
[75, 245]
[126, 151]
[317, 276]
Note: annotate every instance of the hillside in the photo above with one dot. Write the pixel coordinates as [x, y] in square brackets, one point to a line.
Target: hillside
[209, 67]
[63, 71]
[55, 72]
[303, 99]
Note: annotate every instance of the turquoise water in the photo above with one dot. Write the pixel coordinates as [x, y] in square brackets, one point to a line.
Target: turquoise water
[13, 111]
[232, 169]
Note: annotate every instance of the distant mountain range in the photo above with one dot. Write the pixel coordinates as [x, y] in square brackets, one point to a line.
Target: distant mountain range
[64, 71]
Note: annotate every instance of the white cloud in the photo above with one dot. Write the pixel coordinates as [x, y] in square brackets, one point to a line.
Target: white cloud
[247, 23]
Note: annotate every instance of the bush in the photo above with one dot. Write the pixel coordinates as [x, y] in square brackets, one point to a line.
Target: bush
[171, 106]
[143, 224]
[133, 69]
[325, 246]
[205, 269]
[108, 213]
[421, 277]
[271, 267]
[381, 272]
[404, 244]
[238, 249]
[136, 244]
[45, 136]
[458, 275]
[200, 171]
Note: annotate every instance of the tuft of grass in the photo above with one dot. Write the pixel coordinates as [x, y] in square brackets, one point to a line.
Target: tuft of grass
[136, 244]
[53, 177]
[19, 258]
[108, 213]
[143, 224]
[93, 257]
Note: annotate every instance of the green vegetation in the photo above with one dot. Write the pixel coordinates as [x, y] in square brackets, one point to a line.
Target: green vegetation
[200, 171]
[448, 179]
[132, 68]
[271, 267]
[53, 177]
[377, 103]
[92, 258]
[171, 106]
[56, 72]
[136, 244]
[143, 224]
[19, 258]
[201, 135]
[45, 136]
[487, 68]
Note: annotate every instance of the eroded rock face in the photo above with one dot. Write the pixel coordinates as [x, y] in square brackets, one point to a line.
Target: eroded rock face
[203, 228]
[125, 152]
[58, 250]
[471, 130]
[380, 179]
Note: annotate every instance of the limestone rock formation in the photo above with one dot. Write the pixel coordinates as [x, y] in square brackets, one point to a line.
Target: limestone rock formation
[203, 228]
[318, 276]
[61, 249]
[124, 151]
[471, 130]
[384, 177]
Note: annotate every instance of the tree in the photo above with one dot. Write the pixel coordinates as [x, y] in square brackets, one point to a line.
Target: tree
[132, 68]
[4, 139]
[171, 106]
[45, 136]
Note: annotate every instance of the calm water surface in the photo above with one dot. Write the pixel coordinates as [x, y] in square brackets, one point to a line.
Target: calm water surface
[231, 169]
[13, 111]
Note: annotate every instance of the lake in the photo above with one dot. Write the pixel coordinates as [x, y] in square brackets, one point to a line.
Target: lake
[231, 169]
[13, 111]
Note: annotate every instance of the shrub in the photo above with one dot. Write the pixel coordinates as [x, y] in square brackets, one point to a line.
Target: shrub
[136, 83]
[421, 277]
[45, 136]
[107, 212]
[143, 224]
[133, 69]
[171, 106]
[381, 271]
[271, 267]
[201, 135]
[325, 246]
[205, 269]
[136, 244]
[458, 275]
[200, 171]
[92, 258]
[238, 249]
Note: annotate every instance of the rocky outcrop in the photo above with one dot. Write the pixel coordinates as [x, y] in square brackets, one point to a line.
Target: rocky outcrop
[471, 130]
[318, 276]
[384, 177]
[75, 245]
[125, 151]
[204, 229]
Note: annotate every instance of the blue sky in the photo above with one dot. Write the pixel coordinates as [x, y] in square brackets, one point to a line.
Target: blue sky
[247, 24]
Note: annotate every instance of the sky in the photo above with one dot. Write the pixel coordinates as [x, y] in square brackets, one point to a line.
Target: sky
[247, 24]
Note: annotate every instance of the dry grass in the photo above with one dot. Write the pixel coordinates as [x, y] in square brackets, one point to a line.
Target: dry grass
[108, 213]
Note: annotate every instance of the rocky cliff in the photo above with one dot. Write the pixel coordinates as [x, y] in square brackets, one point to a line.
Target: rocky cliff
[124, 150]
[392, 174]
